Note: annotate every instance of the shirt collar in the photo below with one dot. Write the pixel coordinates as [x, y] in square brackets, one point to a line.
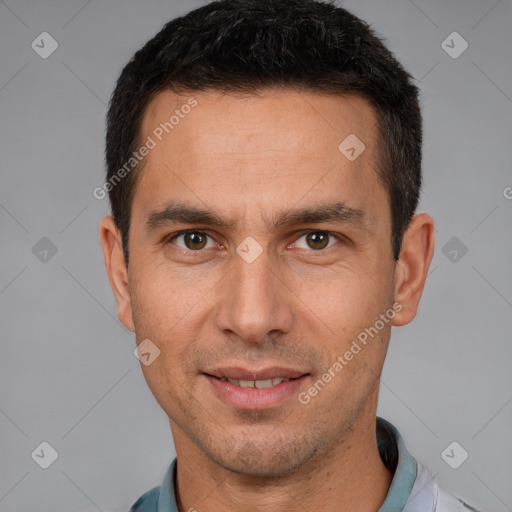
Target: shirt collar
[389, 441]
[392, 450]
[167, 496]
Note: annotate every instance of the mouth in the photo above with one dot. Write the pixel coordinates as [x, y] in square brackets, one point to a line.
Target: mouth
[262, 389]
[257, 384]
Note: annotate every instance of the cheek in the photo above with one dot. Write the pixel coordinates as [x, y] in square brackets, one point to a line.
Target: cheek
[346, 299]
[162, 298]
[169, 310]
[346, 312]
[164, 312]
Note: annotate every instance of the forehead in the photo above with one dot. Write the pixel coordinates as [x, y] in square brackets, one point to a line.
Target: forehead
[222, 149]
[228, 122]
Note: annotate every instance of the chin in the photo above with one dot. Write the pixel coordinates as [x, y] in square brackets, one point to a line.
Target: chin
[264, 457]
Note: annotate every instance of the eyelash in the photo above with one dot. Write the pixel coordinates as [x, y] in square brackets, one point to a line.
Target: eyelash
[172, 237]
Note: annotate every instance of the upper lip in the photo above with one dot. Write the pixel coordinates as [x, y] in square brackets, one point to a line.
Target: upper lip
[233, 372]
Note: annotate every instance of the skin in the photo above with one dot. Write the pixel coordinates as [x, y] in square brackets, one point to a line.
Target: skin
[247, 158]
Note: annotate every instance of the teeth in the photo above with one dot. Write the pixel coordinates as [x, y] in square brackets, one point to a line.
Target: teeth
[259, 384]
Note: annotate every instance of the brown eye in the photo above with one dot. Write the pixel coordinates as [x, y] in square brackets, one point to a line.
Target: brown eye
[317, 240]
[191, 240]
[194, 240]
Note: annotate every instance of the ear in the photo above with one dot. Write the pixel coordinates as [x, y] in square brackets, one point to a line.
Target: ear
[412, 266]
[111, 242]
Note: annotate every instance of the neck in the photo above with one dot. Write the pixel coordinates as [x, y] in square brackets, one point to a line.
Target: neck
[351, 476]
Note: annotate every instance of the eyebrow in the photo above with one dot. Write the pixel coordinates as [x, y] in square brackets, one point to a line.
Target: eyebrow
[176, 213]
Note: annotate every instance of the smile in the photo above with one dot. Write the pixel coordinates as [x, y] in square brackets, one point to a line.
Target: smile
[255, 394]
[259, 384]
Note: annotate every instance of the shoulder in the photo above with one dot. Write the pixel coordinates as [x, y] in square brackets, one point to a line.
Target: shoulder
[148, 502]
[447, 502]
[427, 496]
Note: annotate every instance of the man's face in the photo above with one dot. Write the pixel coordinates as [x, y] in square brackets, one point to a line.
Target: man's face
[272, 293]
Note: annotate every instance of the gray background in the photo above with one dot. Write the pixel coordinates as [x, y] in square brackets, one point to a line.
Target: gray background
[67, 372]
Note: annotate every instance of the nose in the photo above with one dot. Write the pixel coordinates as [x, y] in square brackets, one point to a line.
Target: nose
[254, 302]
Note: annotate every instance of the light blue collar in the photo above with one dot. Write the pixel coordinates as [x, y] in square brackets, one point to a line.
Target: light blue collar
[166, 497]
[405, 473]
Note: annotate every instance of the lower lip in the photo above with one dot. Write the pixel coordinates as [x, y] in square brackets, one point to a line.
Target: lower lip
[253, 398]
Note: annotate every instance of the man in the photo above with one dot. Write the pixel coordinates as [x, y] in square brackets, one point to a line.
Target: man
[264, 168]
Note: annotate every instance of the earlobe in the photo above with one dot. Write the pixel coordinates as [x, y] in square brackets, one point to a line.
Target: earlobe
[117, 272]
[412, 266]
